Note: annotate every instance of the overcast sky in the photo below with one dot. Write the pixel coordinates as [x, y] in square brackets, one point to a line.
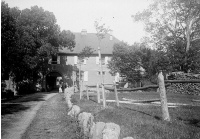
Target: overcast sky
[76, 15]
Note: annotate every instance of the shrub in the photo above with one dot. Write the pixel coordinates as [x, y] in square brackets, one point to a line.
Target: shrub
[9, 94]
[3, 86]
[25, 88]
[3, 94]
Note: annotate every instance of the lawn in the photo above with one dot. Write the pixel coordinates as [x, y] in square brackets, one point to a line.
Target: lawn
[145, 121]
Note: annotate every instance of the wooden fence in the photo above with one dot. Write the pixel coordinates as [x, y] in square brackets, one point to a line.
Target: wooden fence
[161, 85]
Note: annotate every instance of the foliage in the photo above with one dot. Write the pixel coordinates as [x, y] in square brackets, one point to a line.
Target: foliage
[173, 26]
[34, 37]
[25, 88]
[153, 61]
[85, 53]
[101, 29]
[101, 33]
[131, 61]
[8, 39]
[126, 61]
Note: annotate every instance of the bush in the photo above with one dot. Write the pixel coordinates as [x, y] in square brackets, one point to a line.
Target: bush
[42, 90]
[9, 94]
[3, 94]
[25, 88]
[3, 86]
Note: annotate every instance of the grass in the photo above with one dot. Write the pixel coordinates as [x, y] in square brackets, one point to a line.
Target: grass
[145, 121]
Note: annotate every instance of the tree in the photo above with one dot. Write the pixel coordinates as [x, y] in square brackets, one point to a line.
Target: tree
[83, 55]
[173, 26]
[38, 37]
[8, 40]
[126, 61]
[153, 61]
[101, 33]
[132, 61]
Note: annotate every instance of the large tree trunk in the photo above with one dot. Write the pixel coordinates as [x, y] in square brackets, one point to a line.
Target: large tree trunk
[189, 24]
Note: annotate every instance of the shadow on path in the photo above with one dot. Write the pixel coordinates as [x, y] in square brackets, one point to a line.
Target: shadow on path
[12, 108]
[19, 102]
[18, 113]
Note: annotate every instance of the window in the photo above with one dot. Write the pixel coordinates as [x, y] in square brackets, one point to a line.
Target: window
[107, 59]
[103, 60]
[54, 59]
[75, 59]
[84, 61]
[65, 59]
[97, 60]
[99, 72]
[85, 75]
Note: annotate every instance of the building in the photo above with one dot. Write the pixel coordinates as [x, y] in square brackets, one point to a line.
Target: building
[66, 65]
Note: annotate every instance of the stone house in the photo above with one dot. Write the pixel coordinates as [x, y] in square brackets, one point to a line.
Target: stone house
[66, 66]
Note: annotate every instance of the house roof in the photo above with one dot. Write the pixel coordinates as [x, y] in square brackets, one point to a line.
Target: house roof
[90, 39]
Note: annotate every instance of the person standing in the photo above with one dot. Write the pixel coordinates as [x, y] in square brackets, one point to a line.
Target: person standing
[60, 87]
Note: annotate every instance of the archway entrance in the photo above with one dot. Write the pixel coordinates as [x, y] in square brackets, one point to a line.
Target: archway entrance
[52, 80]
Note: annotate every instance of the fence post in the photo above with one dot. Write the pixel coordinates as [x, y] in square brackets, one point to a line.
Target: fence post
[81, 89]
[163, 98]
[98, 95]
[116, 94]
[103, 96]
[87, 92]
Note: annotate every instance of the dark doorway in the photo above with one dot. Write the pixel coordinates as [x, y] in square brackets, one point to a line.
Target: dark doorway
[52, 81]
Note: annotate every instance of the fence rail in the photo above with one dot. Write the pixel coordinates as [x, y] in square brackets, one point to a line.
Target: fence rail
[161, 85]
[182, 81]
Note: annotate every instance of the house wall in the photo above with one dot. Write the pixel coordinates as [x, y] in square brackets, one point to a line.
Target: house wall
[93, 69]
[67, 66]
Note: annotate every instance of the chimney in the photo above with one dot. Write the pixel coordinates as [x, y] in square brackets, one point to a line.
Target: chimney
[111, 35]
[84, 32]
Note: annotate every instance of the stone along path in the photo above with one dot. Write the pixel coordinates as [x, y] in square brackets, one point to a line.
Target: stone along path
[52, 121]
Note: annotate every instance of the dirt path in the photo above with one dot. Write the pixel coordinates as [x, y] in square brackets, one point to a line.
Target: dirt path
[16, 115]
[52, 122]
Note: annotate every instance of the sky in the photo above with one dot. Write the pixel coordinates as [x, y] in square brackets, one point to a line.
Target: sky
[75, 15]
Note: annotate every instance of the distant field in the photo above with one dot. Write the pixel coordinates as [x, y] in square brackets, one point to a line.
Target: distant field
[145, 121]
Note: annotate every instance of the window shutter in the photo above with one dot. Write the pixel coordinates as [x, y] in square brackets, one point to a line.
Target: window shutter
[97, 60]
[58, 59]
[86, 76]
[75, 59]
[106, 60]
[66, 60]
[84, 61]
[50, 60]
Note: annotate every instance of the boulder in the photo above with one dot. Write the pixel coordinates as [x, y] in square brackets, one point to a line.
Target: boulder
[97, 131]
[86, 122]
[92, 129]
[68, 93]
[111, 131]
[75, 110]
[128, 138]
[158, 90]
[139, 91]
[69, 104]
